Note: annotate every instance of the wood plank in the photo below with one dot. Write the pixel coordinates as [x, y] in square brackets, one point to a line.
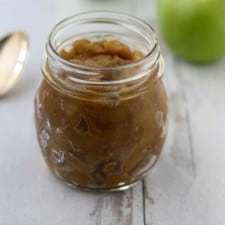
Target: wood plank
[206, 101]
[121, 208]
[187, 185]
[173, 177]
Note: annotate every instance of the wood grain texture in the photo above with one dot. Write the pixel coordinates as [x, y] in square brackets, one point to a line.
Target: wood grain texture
[174, 175]
[122, 208]
[187, 186]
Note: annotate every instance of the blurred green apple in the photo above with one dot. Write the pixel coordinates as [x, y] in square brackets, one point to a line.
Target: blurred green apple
[193, 29]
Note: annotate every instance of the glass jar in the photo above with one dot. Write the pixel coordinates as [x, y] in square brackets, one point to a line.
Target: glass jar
[101, 134]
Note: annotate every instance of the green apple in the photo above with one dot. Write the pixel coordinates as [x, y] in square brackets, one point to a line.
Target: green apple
[193, 29]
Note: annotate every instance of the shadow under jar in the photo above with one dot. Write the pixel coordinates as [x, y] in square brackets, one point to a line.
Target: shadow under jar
[101, 128]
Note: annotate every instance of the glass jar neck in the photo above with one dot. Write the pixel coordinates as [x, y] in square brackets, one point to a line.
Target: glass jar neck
[100, 25]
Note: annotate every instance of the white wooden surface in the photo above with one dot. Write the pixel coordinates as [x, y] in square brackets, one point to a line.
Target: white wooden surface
[187, 186]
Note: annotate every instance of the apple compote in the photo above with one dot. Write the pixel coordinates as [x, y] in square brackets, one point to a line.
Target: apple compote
[101, 112]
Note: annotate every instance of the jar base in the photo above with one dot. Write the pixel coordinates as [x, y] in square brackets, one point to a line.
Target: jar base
[100, 190]
[118, 188]
[103, 190]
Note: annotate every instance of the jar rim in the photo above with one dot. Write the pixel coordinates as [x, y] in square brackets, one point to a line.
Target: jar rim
[152, 56]
[71, 18]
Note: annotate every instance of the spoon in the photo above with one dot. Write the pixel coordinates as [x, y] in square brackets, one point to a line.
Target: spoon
[13, 52]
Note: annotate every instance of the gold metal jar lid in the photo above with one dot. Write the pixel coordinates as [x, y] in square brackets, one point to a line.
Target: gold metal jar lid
[13, 52]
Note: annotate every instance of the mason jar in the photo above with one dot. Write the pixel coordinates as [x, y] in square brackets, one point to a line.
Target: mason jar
[101, 134]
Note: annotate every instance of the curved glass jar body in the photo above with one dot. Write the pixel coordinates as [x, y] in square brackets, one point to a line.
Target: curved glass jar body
[101, 134]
